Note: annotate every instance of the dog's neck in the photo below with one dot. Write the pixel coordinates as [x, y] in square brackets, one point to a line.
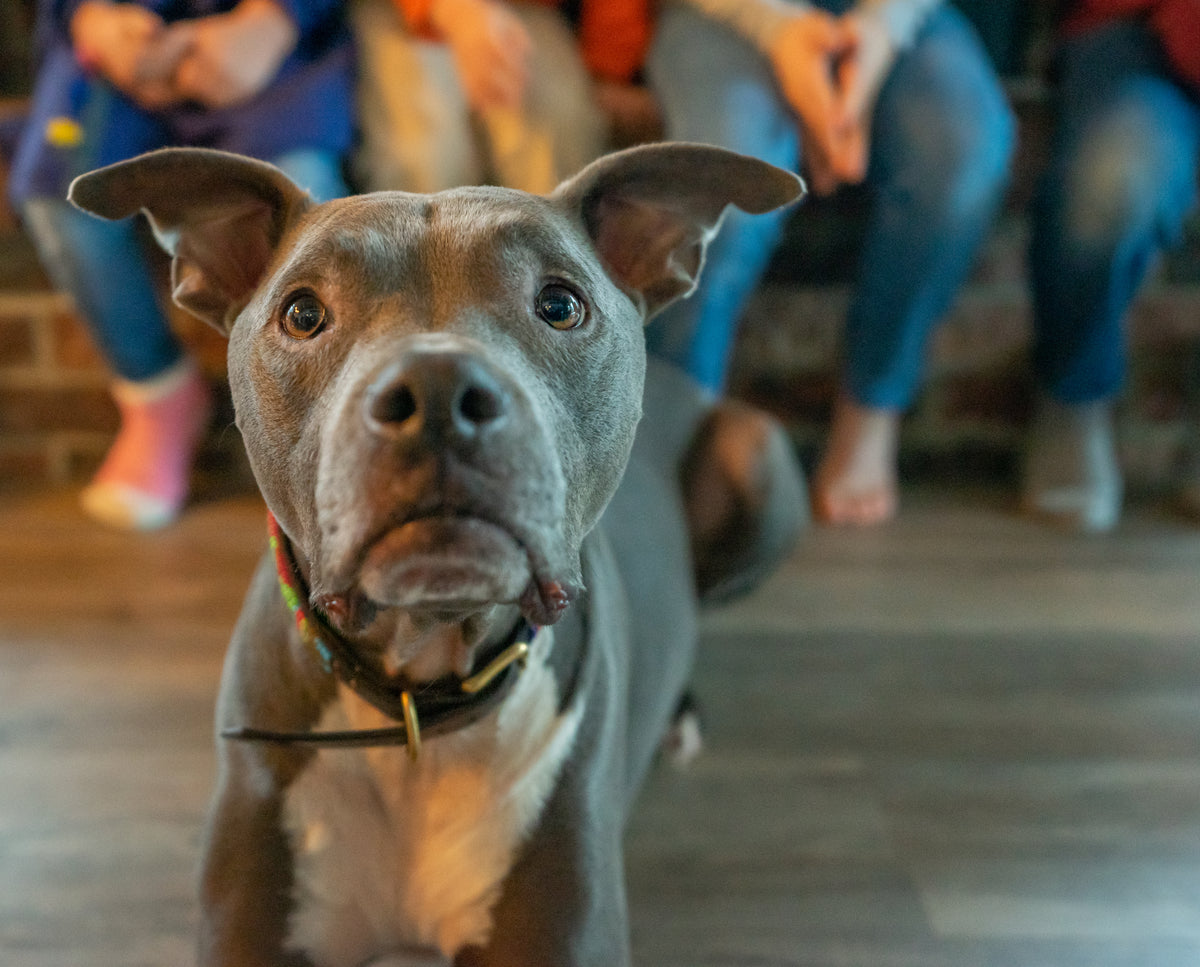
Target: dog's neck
[432, 707]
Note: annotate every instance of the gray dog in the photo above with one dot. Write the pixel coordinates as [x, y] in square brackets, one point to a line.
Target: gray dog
[454, 668]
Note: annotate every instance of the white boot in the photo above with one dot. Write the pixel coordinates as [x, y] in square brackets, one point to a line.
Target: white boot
[1071, 475]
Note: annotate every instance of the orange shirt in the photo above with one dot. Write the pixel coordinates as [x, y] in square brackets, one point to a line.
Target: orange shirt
[613, 34]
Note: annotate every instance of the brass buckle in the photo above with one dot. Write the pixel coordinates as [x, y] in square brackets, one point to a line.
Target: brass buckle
[518, 651]
[412, 726]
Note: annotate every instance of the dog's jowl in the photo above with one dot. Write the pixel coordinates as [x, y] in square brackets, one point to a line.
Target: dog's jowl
[478, 610]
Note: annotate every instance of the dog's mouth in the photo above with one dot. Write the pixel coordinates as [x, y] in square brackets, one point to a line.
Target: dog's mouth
[449, 561]
[443, 560]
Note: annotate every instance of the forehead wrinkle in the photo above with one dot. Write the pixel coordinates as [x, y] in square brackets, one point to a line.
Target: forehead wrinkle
[478, 233]
[374, 253]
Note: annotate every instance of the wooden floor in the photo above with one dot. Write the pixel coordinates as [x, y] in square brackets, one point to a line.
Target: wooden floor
[955, 741]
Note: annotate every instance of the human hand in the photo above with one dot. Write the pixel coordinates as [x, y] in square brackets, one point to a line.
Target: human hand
[130, 47]
[805, 56]
[232, 56]
[491, 50]
[861, 71]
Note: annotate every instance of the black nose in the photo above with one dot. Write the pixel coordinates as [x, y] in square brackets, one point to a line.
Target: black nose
[443, 395]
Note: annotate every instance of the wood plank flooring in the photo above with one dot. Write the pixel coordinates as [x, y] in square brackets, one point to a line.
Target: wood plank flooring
[955, 741]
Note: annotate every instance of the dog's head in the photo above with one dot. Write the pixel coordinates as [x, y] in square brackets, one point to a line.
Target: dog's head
[438, 393]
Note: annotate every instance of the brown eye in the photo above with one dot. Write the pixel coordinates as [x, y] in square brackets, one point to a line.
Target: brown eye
[559, 307]
[304, 317]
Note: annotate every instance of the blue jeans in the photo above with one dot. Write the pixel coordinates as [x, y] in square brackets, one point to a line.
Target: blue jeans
[942, 135]
[1120, 182]
[104, 266]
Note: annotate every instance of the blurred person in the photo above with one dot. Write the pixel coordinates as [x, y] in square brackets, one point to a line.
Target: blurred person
[1119, 184]
[521, 94]
[268, 78]
[897, 93]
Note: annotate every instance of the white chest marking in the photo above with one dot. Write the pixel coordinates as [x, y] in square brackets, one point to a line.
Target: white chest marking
[393, 854]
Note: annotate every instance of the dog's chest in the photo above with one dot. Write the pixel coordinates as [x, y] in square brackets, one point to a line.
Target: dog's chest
[391, 854]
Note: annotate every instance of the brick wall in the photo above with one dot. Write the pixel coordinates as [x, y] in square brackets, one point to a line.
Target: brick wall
[56, 416]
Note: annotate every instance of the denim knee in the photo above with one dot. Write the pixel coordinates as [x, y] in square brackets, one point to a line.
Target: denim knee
[976, 163]
[959, 168]
[945, 132]
[103, 266]
[717, 88]
[1131, 176]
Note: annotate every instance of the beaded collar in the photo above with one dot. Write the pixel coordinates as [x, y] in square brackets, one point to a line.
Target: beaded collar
[432, 708]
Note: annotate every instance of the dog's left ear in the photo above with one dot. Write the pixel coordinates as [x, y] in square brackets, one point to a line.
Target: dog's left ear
[219, 215]
[652, 210]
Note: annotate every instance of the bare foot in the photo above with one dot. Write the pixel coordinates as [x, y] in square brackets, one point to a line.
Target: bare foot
[856, 480]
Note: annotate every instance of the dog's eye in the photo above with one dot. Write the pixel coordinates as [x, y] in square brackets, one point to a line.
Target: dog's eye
[559, 307]
[304, 317]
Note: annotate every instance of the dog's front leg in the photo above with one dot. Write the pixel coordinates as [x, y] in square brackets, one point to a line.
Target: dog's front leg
[563, 906]
[564, 902]
[246, 879]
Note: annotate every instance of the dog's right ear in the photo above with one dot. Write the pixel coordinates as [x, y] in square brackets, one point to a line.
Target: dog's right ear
[220, 216]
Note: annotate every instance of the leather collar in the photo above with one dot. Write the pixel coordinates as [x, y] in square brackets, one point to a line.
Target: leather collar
[422, 708]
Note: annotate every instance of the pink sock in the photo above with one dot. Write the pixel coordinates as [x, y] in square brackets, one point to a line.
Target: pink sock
[143, 481]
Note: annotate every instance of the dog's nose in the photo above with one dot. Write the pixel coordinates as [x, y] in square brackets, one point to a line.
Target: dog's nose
[443, 395]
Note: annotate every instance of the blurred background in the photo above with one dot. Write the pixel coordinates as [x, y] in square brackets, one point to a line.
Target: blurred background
[955, 740]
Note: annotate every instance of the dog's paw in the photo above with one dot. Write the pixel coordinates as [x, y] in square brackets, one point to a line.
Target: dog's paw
[685, 738]
[745, 498]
